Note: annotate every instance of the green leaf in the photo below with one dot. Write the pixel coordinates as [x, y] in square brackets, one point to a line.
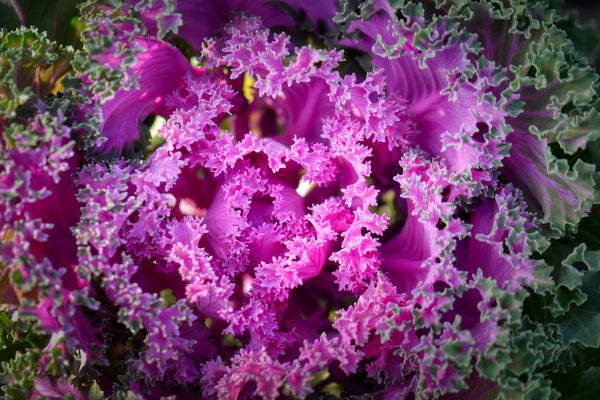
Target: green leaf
[582, 324]
[96, 393]
[30, 65]
[58, 18]
[589, 385]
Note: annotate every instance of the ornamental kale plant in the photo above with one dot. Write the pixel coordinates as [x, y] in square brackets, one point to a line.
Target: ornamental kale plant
[241, 199]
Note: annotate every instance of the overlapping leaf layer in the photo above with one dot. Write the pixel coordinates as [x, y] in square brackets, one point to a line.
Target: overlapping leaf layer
[295, 199]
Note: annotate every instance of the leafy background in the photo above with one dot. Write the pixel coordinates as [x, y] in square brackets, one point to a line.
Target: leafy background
[580, 280]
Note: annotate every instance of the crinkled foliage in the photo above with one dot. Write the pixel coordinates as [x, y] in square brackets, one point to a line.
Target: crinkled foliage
[298, 199]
